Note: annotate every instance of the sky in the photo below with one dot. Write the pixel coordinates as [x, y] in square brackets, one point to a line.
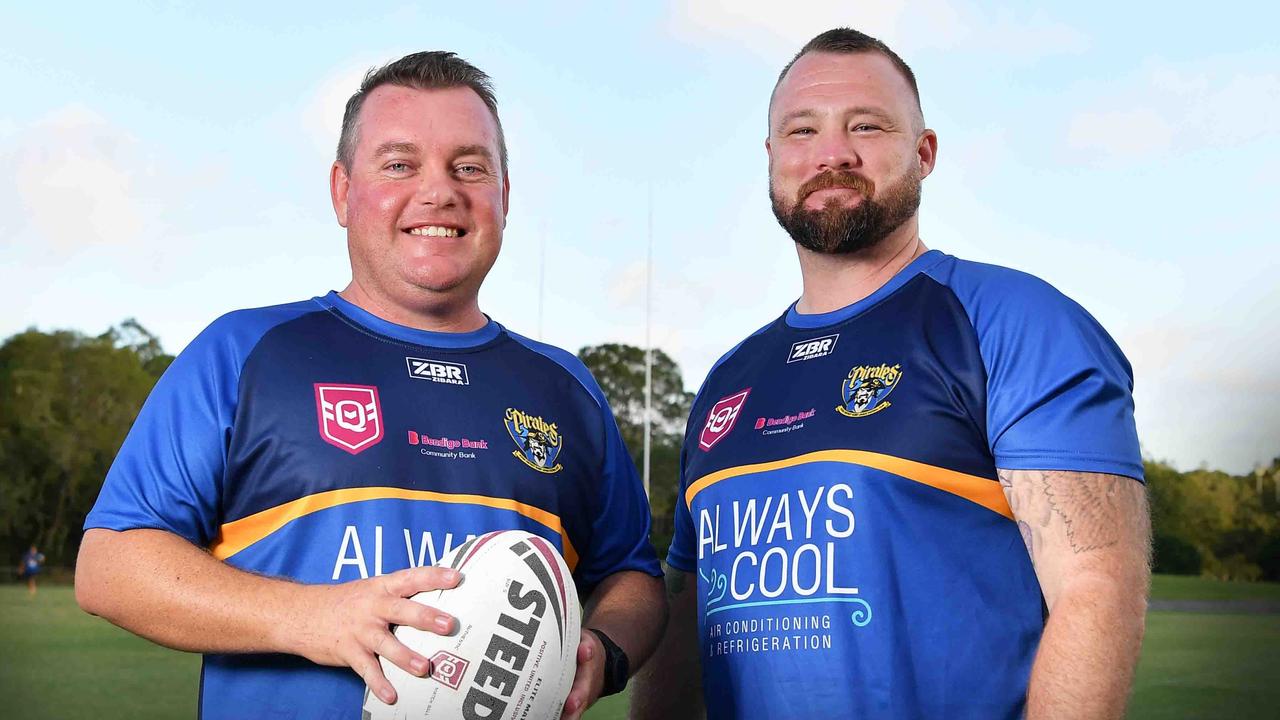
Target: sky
[168, 161]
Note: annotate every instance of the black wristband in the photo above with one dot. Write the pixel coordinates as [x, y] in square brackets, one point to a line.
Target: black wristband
[616, 665]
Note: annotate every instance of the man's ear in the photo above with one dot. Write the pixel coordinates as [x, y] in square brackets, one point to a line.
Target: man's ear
[339, 183]
[506, 196]
[927, 152]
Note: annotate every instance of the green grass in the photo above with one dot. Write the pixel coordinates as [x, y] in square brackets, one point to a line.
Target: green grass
[1208, 666]
[1186, 587]
[1193, 665]
[61, 663]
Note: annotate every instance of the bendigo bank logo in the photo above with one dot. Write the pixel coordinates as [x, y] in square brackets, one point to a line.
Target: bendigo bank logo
[865, 388]
[350, 416]
[721, 418]
[539, 441]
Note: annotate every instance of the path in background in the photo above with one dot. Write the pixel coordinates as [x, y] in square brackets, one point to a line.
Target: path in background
[56, 662]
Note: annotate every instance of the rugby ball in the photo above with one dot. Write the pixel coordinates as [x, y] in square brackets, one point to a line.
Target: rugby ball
[513, 652]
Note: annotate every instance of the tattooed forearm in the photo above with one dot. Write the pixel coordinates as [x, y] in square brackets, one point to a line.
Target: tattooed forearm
[1089, 538]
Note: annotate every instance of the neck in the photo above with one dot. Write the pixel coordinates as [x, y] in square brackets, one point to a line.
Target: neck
[835, 281]
[434, 313]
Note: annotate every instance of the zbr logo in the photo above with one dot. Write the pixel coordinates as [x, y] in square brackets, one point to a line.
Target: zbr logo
[539, 441]
[350, 416]
[438, 371]
[865, 388]
[721, 418]
[815, 348]
[448, 669]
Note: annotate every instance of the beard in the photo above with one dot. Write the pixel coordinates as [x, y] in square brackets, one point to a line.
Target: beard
[838, 230]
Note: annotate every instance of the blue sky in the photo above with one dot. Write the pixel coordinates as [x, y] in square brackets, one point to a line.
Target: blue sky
[168, 161]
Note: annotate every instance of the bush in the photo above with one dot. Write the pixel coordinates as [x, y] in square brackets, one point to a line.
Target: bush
[1236, 567]
[1175, 556]
[1269, 559]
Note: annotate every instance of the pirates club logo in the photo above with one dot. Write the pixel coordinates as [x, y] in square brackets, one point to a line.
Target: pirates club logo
[865, 388]
[539, 441]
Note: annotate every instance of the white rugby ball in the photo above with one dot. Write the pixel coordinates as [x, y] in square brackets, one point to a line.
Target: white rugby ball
[513, 652]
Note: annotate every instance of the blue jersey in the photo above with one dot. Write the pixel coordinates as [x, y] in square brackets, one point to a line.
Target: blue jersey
[317, 442]
[854, 552]
[31, 562]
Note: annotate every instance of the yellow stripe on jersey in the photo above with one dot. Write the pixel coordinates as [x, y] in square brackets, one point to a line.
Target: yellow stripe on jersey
[240, 534]
[982, 491]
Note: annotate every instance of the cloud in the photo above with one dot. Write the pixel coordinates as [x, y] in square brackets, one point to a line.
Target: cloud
[322, 112]
[1166, 108]
[770, 26]
[773, 29]
[78, 180]
[1134, 132]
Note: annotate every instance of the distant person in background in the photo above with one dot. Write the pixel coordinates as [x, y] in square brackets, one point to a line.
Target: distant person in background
[918, 492]
[299, 468]
[30, 567]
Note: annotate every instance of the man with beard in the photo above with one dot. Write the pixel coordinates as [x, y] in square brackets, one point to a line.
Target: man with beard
[972, 541]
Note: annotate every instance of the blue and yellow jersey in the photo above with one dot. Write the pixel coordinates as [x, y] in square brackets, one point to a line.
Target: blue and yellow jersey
[855, 555]
[317, 442]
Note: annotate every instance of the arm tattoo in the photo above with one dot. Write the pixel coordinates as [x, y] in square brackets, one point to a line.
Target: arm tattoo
[1089, 506]
[1093, 507]
[1025, 529]
[1017, 504]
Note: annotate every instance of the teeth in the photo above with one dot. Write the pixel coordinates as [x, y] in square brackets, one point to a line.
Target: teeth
[434, 231]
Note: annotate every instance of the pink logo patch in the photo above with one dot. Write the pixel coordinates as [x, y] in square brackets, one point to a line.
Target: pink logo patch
[448, 669]
[721, 419]
[350, 416]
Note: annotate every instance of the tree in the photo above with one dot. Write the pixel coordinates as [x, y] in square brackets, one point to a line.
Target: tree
[620, 371]
[66, 403]
[1209, 522]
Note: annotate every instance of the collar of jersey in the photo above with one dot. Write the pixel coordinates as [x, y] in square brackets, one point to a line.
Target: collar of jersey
[411, 335]
[814, 320]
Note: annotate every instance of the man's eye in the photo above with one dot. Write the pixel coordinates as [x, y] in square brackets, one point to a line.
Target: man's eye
[398, 167]
[802, 131]
[865, 127]
[470, 170]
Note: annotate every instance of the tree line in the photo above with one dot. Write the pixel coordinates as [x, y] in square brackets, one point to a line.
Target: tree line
[67, 400]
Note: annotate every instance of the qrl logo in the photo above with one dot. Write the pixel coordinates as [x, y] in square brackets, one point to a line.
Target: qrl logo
[350, 416]
[721, 419]
[815, 348]
[448, 669]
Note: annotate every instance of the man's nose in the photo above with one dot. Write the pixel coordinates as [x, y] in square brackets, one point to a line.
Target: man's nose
[436, 187]
[836, 152]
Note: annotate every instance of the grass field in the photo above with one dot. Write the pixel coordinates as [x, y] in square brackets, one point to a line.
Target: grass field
[1182, 587]
[57, 662]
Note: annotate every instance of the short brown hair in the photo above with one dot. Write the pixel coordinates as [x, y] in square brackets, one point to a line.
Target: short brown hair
[430, 70]
[846, 41]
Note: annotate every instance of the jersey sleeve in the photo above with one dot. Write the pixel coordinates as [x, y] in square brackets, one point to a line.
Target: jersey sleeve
[168, 474]
[681, 555]
[621, 521]
[620, 530]
[1059, 389]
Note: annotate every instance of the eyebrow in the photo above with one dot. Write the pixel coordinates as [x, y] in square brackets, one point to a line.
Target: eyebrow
[408, 148]
[395, 146]
[856, 110]
[480, 150]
